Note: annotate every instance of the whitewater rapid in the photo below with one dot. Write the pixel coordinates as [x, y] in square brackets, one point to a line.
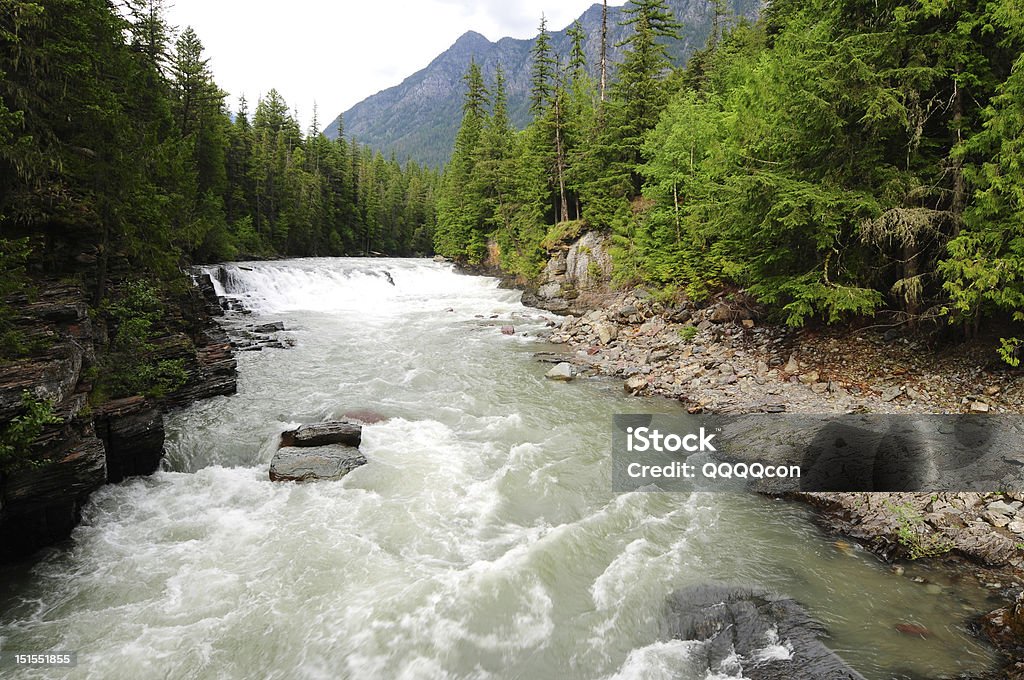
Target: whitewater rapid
[482, 540]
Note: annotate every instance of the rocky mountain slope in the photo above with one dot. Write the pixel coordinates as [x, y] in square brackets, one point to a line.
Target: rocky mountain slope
[418, 119]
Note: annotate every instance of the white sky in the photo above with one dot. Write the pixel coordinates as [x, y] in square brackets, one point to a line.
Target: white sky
[338, 53]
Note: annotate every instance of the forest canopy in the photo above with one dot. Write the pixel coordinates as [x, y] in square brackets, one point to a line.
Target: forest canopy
[835, 159]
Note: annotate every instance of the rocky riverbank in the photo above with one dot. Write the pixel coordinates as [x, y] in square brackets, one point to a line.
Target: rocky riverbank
[722, 357]
[90, 440]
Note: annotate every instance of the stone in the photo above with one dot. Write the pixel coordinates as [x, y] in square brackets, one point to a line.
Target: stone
[324, 463]
[549, 291]
[979, 407]
[721, 314]
[891, 393]
[323, 434]
[810, 378]
[607, 332]
[1016, 527]
[820, 388]
[913, 630]
[563, 371]
[748, 323]
[635, 384]
[269, 327]
[792, 366]
[733, 621]
[1002, 507]
[995, 519]
[508, 330]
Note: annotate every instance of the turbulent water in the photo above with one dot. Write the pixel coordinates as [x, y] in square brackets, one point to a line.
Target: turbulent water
[482, 540]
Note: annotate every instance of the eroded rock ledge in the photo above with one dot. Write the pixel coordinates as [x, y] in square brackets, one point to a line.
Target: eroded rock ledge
[40, 502]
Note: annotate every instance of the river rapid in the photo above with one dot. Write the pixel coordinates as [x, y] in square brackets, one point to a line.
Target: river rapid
[482, 540]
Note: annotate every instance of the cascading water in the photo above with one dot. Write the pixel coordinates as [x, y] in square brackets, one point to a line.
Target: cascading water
[481, 541]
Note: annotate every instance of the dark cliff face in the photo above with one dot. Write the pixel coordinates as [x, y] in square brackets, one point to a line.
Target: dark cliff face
[92, 444]
[419, 118]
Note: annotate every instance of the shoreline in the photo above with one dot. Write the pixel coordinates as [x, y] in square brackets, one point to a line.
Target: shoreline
[731, 363]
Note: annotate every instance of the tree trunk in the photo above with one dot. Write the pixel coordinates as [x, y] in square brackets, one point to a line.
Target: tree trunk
[604, 49]
[560, 160]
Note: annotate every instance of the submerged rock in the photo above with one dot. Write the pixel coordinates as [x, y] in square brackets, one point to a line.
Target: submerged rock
[365, 416]
[324, 434]
[774, 638]
[324, 463]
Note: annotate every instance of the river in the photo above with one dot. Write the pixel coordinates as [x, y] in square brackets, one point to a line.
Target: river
[482, 540]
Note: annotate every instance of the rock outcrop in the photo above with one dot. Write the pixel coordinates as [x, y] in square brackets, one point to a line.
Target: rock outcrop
[42, 495]
[324, 434]
[576, 273]
[132, 432]
[323, 463]
[769, 636]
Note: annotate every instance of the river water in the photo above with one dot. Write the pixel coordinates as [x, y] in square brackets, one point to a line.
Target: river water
[482, 540]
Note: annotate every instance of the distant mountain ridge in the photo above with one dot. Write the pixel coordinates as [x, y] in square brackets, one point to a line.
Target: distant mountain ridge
[419, 118]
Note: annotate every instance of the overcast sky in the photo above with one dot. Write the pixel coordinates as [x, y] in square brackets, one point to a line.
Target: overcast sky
[338, 53]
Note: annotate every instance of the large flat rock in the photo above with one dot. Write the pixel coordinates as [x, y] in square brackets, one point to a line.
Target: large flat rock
[324, 434]
[327, 463]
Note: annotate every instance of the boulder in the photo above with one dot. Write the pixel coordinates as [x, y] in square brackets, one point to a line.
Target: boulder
[752, 624]
[563, 371]
[324, 463]
[323, 434]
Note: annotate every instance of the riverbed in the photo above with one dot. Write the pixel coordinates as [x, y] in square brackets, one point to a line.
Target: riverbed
[482, 540]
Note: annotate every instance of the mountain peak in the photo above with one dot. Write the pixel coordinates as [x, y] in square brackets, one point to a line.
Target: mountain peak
[419, 118]
[471, 38]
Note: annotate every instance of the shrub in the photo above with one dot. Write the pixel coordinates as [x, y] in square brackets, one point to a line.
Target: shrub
[17, 436]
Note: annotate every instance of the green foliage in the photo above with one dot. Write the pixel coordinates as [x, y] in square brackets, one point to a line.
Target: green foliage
[915, 536]
[688, 333]
[1010, 350]
[130, 365]
[115, 141]
[17, 436]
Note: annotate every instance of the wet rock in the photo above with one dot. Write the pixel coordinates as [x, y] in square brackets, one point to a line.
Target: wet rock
[364, 416]
[738, 621]
[42, 505]
[635, 384]
[132, 431]
[508, 330]
[324, 463]
[274, 327]
[1005, 626]
[913, 630]
[323, 434]
[563, 371]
